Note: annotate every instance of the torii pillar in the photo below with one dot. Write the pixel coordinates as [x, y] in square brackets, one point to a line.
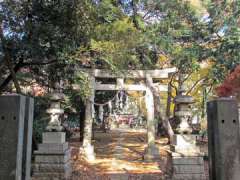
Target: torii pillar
[151, 152]
[100, 112]
[88, 148]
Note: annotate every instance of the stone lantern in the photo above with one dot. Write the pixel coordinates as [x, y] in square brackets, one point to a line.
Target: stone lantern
[187, 160]
[53, 157]
[184, 113]
[55, 112]
[183, 140]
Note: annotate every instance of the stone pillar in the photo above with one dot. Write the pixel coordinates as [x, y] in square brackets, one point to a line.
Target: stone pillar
[151, 151]
[27, 142]
[93, 112]
[12, 115]
[117, 101]
[87, 148]
[239, 110]
[120, 85]
[127, 102]
[121, 100]
[223, 139]
[100, 112]
[100, 116]
[16, 118]
[186, 156]
[110, 107]
[53, 157]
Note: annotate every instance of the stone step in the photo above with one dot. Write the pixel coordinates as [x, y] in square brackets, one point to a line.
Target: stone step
[46, 147]
[52, 176]
[188, 153]
[47, 152]
[52, 168]
[187, 160]
[53, 158]
[188, 169]
[189, 177]
[54, 137]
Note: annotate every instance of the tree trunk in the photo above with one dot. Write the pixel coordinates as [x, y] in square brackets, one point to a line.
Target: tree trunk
[88, 113]
[166, 122]
[164, 119]
[87, 147]
[81, 124]
[88, 124]
[13, 74]
[204, 100]
[9, 78]
[7, 57]
[157, 107]
[13, 70]
[169, 100]
[134, 16]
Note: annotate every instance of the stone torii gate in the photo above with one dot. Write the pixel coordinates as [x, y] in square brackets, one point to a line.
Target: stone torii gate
[151, 150]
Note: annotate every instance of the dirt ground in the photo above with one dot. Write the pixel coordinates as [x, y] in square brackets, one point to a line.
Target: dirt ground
[119, 156]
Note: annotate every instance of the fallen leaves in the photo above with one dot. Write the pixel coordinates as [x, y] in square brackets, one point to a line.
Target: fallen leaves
[119, 158]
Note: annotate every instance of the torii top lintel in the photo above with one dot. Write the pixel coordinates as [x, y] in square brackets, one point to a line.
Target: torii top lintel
[140, 74]
[158, 73]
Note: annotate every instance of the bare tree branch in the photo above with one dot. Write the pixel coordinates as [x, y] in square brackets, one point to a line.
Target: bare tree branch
[186, 78]
[195, 84]
[210, 89]
[8, 59]
[17, 67]
[13, 73]
[146, 14]
[39, 63]
[171, 81]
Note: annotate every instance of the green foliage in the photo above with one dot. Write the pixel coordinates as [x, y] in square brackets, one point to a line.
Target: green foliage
[189, 32]
[41, 118]
[114, 43]
[83, 81]
[121, 34]
[225, 24]
[115, 35]
[177, 33]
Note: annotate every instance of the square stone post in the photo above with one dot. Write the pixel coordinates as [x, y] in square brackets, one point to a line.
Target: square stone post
[12, 115]
[88, 148]
[151, 151]
[27, 143]
[223, 139]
